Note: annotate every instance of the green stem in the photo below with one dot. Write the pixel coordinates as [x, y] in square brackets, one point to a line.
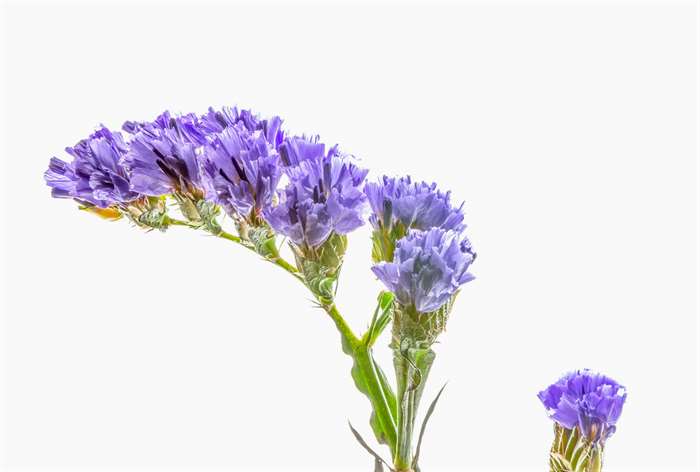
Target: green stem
[412, 367]
[403, 458]
[348, 337]
[223, 234]
[368, 377]
[276, 259]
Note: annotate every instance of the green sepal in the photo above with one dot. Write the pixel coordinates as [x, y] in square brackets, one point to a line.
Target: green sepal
[199, 212]
[384, 241]
[321, 265]
[148, 213]
[263, 241]
[572, 452]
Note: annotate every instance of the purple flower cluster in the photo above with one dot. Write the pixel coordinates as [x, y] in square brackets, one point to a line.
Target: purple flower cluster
[428, 268]
[96, 175]
[413, 205]
[418, 239]
[585, 400]
[229, 157]
[163, 156]
[323, 196]
[242, 171]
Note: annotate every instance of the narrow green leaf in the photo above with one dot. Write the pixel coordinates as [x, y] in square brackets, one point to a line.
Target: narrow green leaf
[377, 457]
[431, 408]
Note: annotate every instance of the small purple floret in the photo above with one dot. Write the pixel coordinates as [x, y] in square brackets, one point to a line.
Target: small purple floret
[428, 268]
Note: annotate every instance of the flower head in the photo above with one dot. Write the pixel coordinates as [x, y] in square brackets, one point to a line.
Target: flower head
[241, 171]
[399, 205]
[188, 127]
[322, 197]
[414, 205]
[586, 400]
[215, 121]
[428, 268]
[163, 155]
[96, 175]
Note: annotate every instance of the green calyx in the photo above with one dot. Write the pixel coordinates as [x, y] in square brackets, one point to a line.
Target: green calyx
[320, 266]
[572, 452]
[384, 242]
[420, 330]
[199, 212]
[148, 212]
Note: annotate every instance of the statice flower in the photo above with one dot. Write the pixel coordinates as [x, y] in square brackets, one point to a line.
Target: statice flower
[586, 400]
[399, 205]
[428, 268]
[241, 170]
[189, 127]
[96, 175]
[414, 205]
[163, 156]
[323, 196]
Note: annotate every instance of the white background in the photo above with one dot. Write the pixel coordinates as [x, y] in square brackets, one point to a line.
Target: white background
[569, 129]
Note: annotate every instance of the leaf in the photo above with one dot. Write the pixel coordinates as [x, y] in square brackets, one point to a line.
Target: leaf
[378, 467]
[370, 380]
[377, 457]
[380, 318]
[431, 408]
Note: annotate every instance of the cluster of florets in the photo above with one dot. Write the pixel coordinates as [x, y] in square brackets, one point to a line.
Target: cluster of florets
[294, 186]
[230, 158]
[421, 252]
[587, 401]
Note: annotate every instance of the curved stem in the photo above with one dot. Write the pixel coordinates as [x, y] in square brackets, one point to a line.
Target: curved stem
[370, 379]
[348, 336]
[277, 259]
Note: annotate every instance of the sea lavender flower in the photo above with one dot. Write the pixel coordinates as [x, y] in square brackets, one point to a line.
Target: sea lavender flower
[96, 175]
[163, 156]
[415, 205]
[322, 197]
[428, 268]
[399, 204]
[188, 126]
[585, 400]
[215, 121]
[241, 171]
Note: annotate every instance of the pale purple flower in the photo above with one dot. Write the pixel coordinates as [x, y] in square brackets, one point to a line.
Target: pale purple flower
[428, 268]
[241, 170]
[187, 127]
[215, 121]
[95, 175]
[163, 155]
[414, 205]
[323, 195]
[587, 400]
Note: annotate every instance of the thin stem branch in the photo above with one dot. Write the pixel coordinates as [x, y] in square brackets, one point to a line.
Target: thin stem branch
[277, 259]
